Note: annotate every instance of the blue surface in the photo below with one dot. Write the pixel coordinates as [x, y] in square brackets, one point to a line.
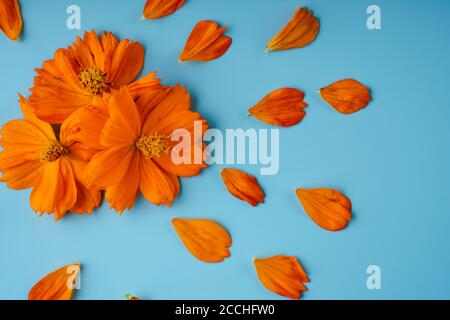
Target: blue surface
[392, 159]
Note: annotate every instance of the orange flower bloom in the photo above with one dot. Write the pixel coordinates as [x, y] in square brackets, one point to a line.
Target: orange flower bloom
[136, 147]
[282, 107]
[155, 9]
[205, 239]
[87, 69]
[328, 208]
[300, 31]
[205, 43]
[243, 186]
[346, 96]
[57, 285]
[11, 18]
[32, 157]
[283, 275]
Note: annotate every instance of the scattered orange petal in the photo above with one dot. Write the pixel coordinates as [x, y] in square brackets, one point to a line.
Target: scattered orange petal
[11, 19]
[57, 285]
[243, 186]
[205, 239]
[328, 208]
[155, 9]
[206, 42]
[283, 275]
[282, 107]
[346, 96]
[131, 297]
[300, 31]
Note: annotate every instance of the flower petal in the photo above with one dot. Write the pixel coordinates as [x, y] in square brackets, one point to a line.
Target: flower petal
[205, 239]
[144, 84]
[300, 31]
[87, 199]
[11, 18]
[81, 131]
[155, 9]
[346, 96]
[206, 42]
[108, 167]
[123, 126]
[243, 186]
[127, 63]
[55, 190]
[57, 285]
[156, 185]
[123, 195]
[283, 275]
[282, 107]
[328, 208]
[158, 109]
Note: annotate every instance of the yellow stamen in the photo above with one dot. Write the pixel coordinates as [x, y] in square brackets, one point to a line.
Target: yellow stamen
[152, 146]
[53, 152]
[93, 80]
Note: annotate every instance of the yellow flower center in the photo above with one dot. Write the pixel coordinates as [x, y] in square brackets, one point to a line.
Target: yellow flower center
[53, 152]
[93, 80]
[153, 146]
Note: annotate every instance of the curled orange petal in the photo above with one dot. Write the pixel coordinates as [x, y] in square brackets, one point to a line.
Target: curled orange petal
[283, 275]
[57, 285]
[300, 31]
[346, 96]
[205, 239]
[243, 186]
[155, 9]
[328, 208]
[205, 43]
[282, 107]
[11, 18]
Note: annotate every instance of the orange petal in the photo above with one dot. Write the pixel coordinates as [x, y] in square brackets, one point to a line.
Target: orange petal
[57, 285]
[328, 208]
[131, 297]
[10, 18]
[157, 185]
[282, 107]
[243, 186]
[205, 239]
[346, 96]
[206, 42]
[123, 126]
[155, 9]
[283, 275]
[55, 190]
[123, 195]
[300, 31]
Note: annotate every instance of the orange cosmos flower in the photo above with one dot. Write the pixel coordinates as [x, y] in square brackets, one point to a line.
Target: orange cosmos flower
[346, 96]
[328, 208]
[282, 107]
[205, 239]
[10, 18]
[87, 69]
[300, 31]
[206, 42]
[57, 285]
[243, 186]
[136, 147]
[32, 157]
[283, 275]
[155, 9]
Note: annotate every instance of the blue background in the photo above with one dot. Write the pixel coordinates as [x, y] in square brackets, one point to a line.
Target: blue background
[392, 158]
